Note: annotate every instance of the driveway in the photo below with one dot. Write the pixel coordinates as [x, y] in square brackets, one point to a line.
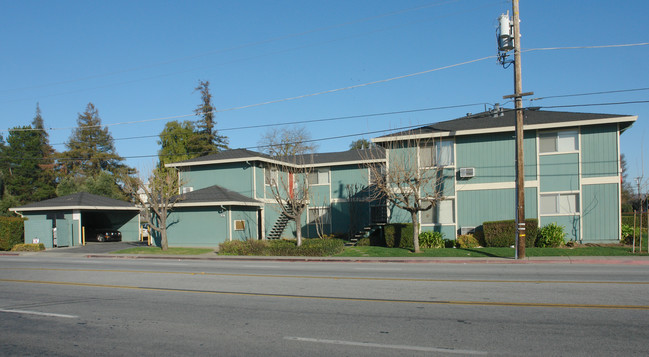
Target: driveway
[96, 247]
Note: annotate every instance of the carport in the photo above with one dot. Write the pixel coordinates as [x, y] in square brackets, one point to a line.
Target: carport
[63, 221]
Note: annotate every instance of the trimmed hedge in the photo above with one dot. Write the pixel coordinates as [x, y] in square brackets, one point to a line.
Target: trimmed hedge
[12, 232]
[467, 241]
[628, 220]
[310, 247]
[399, 235]
[28, 247]
[503, 233]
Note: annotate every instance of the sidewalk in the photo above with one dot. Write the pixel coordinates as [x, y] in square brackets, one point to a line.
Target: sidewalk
[612, 260]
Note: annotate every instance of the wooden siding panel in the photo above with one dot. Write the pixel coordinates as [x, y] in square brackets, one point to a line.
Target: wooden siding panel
[477, 207]
[559, 172]
[601, 212]
[197, 227]
[599, 151]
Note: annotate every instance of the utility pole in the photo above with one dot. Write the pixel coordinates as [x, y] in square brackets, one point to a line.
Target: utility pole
[506, 42]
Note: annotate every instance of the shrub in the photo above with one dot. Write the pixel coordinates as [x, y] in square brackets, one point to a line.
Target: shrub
[431, 240]
[239, 247]
[467, 241]
[28, 247]
[627, 234]
[551, 235]
[310, 247]
[399, 235]
[449, 243]
[503, 233]
[12, 231]
[364, 242]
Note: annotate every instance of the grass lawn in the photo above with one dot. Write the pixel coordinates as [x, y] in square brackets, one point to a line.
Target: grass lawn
[487, 252]
[170, 251]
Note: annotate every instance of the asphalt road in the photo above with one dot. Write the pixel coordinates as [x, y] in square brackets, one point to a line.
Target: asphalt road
[67, 306]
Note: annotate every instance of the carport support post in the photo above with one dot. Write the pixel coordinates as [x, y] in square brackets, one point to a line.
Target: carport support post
[83, 235]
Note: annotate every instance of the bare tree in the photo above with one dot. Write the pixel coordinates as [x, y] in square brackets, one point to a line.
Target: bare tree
[286, 142]
[160, 194]
[290, 189]
[412, 180]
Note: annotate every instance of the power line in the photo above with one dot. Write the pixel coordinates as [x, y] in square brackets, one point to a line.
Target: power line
[591, 93]
[595, 104]
[342, 88]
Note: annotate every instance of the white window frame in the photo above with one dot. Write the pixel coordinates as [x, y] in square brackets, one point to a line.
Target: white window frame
[558, 135]
[434, 213]
[319, 174]
[560, 204]
[271, 175]
[319, 209]
[434, 148]
[239, 221]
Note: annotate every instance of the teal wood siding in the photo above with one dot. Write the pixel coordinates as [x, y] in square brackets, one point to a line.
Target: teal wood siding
[599, 153]
[271, 213]
[341, 219]
[600, 211]
[570, 225]
[319, 196]
[476, 207]
[492, 155]
[237, 177]
[448, 231]
[559, 172]
[341, 176]
[397, 215]
[127, 223]
[197, 227]
[249, 216]
[37, 226]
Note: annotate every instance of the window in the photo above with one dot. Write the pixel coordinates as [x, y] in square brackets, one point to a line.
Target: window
[270, 175]
[442, 213]
[558, 141]
[239, 225]
[319, 215]
[559, 203]
[377, 173]
[436, 153]
[319, 177]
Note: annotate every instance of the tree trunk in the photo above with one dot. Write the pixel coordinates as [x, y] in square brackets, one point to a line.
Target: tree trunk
[298, 230]
[415, 230]
[163, 233]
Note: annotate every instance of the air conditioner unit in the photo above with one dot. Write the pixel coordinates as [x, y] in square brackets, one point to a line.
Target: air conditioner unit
[467, 230]
[466, 172]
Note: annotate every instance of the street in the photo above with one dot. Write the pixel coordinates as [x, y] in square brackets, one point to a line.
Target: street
[67, 306]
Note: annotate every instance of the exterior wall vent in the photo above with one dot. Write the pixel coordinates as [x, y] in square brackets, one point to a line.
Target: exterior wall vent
[467, 230]
[467, 172]
[188, 189]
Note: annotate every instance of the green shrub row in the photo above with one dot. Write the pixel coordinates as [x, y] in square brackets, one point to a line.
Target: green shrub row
[628, 220]
[398, 235]
[310, 247]
[28, 247]
[503, 233]
[12, 230]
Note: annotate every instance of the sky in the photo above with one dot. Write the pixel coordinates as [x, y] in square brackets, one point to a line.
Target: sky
[275, 62]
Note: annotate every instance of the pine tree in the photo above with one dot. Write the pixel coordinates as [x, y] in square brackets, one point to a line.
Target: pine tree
[25, 179]
[90, 149]
[208, 141]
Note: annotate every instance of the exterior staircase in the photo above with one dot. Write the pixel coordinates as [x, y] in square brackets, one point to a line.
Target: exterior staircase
[365, 232]
[280, 225]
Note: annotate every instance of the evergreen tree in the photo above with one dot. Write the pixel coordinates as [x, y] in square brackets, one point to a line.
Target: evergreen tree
[90, 149]
[208, 141]
[25, 179]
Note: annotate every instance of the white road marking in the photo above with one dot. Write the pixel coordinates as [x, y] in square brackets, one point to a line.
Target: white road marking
[378, 345]
[40, 313]
[378, 269]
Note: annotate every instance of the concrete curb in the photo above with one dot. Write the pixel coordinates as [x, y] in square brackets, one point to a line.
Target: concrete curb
[532, 260]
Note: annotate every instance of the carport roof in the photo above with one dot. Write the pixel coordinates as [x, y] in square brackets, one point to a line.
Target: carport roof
[80, 200]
